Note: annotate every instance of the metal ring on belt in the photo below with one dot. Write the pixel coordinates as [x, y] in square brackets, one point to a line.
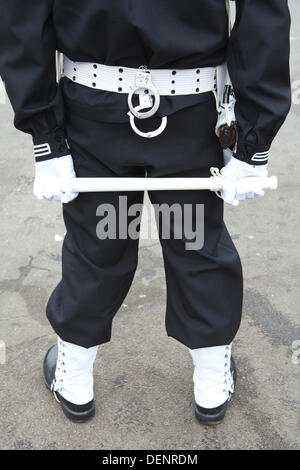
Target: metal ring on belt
[141, 81]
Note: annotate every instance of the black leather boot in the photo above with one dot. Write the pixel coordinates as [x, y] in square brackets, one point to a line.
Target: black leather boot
[212, 416]
[73, 412]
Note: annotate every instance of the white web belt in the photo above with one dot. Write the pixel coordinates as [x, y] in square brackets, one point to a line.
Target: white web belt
[149, 84]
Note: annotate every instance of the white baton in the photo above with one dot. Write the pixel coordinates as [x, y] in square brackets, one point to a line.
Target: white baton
[213, 183]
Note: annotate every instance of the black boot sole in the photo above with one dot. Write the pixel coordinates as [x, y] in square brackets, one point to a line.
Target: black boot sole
[212, 418]
[78, 417]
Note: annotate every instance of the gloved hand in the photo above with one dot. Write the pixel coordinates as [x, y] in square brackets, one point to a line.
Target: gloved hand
[234, 171]
[52, 178]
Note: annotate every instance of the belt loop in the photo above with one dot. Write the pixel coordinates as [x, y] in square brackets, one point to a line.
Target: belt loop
[59, 61]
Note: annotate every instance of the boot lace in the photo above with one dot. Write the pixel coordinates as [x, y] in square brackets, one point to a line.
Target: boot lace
[228, 375]
[58, 381]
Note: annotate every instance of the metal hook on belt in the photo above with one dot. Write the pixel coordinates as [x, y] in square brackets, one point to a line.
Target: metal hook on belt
[143, 80]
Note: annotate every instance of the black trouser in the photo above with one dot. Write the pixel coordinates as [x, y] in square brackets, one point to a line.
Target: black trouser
[204, 286]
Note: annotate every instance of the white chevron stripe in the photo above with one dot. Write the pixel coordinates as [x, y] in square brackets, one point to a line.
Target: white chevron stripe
[41, 150]
[261, 156]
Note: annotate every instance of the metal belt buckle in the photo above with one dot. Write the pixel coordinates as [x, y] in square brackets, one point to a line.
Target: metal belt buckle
[145, 102]
[143, 80]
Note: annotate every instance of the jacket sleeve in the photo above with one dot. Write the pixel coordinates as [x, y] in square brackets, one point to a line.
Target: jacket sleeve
[28, 70]
[258, 63]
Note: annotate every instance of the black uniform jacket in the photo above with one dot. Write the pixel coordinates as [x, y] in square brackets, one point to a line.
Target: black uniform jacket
[156, 33]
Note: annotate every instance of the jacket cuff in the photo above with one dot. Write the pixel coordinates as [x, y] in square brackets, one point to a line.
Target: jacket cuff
[52, 145]
[252, 153]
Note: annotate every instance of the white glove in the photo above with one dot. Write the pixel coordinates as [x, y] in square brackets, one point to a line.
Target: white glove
[52, 179]
[234, 171]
